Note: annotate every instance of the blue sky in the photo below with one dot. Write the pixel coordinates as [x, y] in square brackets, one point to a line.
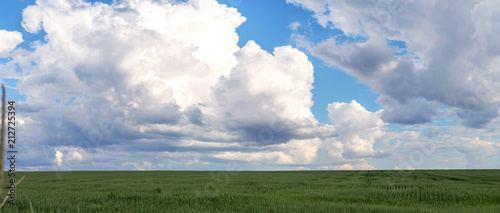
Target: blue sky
[200, 90]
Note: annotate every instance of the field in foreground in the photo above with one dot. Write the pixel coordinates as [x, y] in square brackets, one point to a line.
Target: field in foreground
[290, 191]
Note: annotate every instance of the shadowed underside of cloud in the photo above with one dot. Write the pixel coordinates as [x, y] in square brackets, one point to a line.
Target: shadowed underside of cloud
[451, 55]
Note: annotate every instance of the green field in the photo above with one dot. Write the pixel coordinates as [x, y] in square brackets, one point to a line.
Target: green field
[290, 191]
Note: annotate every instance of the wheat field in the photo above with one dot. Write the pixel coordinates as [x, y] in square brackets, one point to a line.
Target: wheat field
[252, 191]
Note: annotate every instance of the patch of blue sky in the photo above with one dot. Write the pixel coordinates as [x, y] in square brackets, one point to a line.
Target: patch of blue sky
[333, 85]
[343, 38]
[397, 43]
[11, 18]
[5, 60]
[9, 82]
[268, 22]
[11, 14]
[101, 1]
[11, 87]
[70, 102]
[62, 99]
[401, 45]
[315, 33]
[13, 94]
[31, 38]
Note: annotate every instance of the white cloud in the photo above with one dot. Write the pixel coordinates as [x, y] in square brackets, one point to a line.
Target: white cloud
[68, 156]
[163, 78]
[352, 165]
[357, 128]
[295, 25]
[59, 155]
[344, 167]
[407, 168]
[8, 41]
[141, 166]
[264, 89]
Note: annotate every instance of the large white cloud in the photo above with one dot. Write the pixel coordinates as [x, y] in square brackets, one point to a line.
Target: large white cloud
[450, 60]
[160, 77]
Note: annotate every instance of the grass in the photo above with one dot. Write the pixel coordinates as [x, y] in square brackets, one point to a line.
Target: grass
[290, 191]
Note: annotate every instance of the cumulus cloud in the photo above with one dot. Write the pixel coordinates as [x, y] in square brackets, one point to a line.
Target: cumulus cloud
[9, 41]
[264, 89]
[68, 155]
[132, 63]
[357, 129]
[160, 77]
[448, 61]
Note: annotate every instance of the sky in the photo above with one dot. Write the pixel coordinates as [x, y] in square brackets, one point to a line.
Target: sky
[253, 84]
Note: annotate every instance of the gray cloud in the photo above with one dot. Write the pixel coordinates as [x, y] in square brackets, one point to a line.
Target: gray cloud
[411, 112]
[450, 56]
